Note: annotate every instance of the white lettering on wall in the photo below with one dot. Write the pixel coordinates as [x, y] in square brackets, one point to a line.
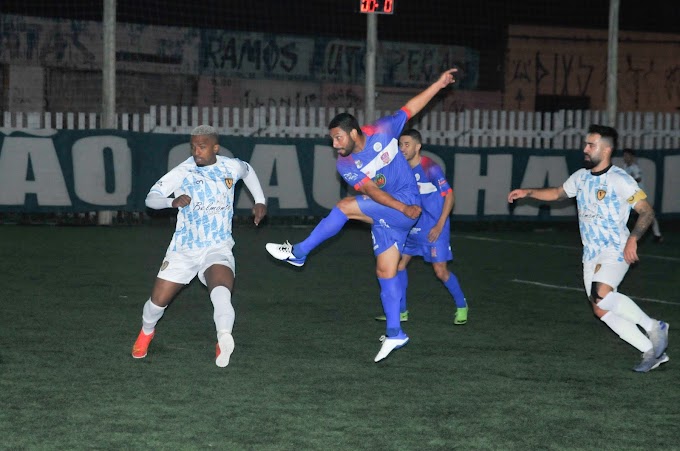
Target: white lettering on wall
[326, 180]
[48, 181]
[89, 174]
[495, 184]
[289, 190]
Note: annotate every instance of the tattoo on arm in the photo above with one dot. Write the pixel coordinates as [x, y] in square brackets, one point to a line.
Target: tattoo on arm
[644, 220]
[561, 194]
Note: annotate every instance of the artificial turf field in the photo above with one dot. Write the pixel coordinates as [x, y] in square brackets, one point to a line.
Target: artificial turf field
[533, 368]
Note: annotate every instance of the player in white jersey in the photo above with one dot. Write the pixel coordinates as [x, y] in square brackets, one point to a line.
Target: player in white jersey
[605, 195]
[633, 169]
[203, 189]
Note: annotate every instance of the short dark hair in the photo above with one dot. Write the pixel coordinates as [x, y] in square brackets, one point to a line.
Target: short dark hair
[413, 133]
[630, 151]
[346, 122]
[608, 133]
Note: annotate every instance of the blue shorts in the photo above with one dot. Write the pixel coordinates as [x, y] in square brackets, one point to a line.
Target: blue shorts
[390, 227]
[418, 245]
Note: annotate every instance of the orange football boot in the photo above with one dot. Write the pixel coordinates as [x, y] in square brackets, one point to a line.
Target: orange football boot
[141, 346]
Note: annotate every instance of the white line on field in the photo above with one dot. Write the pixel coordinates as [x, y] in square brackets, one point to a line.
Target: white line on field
[562, 287]
[558, 246]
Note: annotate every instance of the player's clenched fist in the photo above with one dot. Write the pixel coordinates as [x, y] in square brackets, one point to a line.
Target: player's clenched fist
[412, 211]
[181, 201]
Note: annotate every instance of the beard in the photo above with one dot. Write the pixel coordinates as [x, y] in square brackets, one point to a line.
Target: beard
[589, 163]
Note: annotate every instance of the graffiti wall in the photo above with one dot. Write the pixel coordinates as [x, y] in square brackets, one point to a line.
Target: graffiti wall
[209, 67]
[572, 63]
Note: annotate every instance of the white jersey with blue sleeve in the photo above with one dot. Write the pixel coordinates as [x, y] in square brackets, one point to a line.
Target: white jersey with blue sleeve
[207, 220]
[604, 200]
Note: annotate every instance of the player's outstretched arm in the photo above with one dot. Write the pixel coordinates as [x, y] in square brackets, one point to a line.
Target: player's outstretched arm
[416, 104]
[544, 194]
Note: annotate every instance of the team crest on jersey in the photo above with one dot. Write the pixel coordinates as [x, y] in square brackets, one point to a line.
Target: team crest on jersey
[600, 194]
[165, 265]
[417, 177]
[229, 182]
[377, 147]
[380, 180]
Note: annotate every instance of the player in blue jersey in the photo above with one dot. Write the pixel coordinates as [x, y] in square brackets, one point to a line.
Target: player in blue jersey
[430, 236]
[203, 188]
[605, 195]
[369, 160]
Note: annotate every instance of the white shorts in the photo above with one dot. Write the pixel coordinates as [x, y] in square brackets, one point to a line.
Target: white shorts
[605, 268]
[182, 267]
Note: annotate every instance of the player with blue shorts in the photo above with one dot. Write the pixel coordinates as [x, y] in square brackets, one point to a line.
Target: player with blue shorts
[430, 237]
[370, 161]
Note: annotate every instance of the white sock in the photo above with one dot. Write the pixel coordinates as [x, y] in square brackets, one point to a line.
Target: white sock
[151, 314]
[627, 331]
[625, 307]
[224, 315]
[655, 228]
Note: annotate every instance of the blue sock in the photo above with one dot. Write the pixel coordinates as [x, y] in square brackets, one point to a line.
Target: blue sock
[326, 228]
[454, 288]
[390, 292]
[403, 283]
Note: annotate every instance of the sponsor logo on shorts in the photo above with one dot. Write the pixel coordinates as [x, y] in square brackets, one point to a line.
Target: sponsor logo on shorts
[384, 223]
[433, 252]
[600, 194]
[380, 180]
[229, 182]
[165, 265]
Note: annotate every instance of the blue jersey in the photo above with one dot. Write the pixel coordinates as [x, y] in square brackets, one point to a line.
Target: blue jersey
[381, 161]
[433, 188]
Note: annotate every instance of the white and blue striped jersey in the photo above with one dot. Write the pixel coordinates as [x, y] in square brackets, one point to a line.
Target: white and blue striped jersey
[604, 200]
[207, 220]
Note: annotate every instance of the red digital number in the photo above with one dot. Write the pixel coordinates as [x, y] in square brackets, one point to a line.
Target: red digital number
[387, 6]
[368, 6]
